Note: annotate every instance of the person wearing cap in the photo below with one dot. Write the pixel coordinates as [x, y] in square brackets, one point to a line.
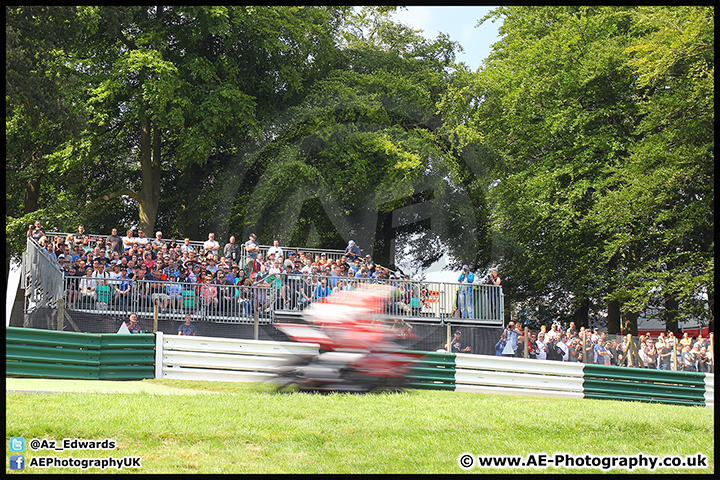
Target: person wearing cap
[352, 251]
[465, 292]
[252, 247]
[455, 345]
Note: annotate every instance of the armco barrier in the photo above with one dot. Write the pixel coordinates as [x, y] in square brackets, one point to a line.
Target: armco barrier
[518, 376]
[648, 385]
[222, 359]
[435, 371]
[46, 353]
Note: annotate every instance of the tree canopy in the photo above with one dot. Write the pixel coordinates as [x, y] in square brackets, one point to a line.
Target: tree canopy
[603, 187]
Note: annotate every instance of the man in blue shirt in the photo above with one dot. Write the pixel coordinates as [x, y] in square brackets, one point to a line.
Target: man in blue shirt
[465, 295]
[252, 247]
[187, 328]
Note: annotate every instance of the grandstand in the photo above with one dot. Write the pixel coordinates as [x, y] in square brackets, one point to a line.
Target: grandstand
[427, 311]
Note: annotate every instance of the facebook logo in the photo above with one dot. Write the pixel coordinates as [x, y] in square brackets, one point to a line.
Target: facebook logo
[17, 462]
[17, 444]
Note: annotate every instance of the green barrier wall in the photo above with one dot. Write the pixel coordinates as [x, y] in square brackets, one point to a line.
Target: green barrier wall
[47, 353]
[435, 371]
[646, 385]
[33, 352]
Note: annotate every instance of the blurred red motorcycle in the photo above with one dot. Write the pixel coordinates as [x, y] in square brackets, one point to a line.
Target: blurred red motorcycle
[358, 349]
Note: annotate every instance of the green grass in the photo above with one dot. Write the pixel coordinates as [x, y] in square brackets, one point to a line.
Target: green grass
[251, 429]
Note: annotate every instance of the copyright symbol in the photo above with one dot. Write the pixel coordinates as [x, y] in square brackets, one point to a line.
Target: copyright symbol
[34, 444]
[466, 460]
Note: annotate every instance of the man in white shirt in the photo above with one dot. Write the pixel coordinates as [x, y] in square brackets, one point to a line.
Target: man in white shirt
[542, 347]
[128, 241]
[276, 249]
[562, 344]
[211, 245]
[553, 333]
[141, 240]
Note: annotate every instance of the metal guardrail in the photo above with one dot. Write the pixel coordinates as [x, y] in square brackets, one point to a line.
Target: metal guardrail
[41, 278]
[431, 302]
[331, 254]
[283, 293]
[45, 353]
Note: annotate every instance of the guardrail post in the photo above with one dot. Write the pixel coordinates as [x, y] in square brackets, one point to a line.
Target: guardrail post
[159, 354]
[448, 347]
[257, 325]
[61, 315]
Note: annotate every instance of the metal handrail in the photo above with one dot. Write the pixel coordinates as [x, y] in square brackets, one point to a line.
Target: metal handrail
[282, 293]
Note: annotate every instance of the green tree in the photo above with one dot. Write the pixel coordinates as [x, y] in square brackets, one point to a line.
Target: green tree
[661, 205]
[554, 101]
[602, 187]
[364, 158]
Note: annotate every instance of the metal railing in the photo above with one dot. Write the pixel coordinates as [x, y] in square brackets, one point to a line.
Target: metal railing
[420, 301]
[41, 278]
[282, 293]
[198, 245]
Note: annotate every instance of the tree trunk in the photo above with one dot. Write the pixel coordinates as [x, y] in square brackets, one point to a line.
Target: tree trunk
[150, 164]
[32, 195]
[629, 322]
[580, 315]
[613, 317]
[671, 313]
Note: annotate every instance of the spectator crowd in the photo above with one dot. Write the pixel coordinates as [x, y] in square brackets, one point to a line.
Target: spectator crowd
[136, 272]
[666, 352]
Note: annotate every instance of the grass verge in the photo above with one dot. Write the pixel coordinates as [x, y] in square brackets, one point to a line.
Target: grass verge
[251, 429]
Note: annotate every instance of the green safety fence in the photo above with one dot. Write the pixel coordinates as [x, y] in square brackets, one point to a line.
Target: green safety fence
[107, 356]
[434, 371]
[642, 384]
[47, 353]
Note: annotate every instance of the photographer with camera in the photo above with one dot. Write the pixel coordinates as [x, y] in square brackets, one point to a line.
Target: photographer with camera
[465, 292]
[511, 339]
[455, 345]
